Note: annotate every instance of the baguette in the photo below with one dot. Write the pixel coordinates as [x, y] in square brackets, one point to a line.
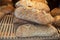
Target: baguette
[33, 4]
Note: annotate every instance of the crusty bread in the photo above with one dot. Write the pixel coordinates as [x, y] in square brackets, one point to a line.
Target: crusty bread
[34, 15]
[57, 20]
[29, 30]
[43, 1]
[33, 4]
[6, 8]
[42, 6]
[55, 12]
[1, 15]
[4, 2]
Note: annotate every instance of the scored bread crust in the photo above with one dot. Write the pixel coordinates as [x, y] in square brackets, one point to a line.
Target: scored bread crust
[30, 30]
[34, 15]
[33, 4]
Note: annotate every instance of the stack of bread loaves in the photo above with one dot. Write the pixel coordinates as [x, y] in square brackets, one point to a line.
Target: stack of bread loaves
[36, 12]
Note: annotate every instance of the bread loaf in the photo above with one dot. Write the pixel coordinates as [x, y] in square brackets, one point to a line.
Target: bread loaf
[43, 1]
[34, 15]
[33, 4]
[1, 15]
[57, 20]
[7, 9]
[30, 30]
[55, 12]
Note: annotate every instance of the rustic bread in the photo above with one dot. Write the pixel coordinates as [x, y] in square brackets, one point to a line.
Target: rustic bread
[44, 1]
[33, 4]
[55, 12]
[29, 30]
[7, 8]
[1, 15]
[34, 15]
[57, 20]
[4, 2]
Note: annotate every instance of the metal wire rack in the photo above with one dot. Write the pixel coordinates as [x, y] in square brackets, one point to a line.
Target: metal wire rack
[6, 27]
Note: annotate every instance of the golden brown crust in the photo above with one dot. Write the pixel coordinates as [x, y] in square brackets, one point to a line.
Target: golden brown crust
[2, 15]
[7, 8]
[55, 12]
[57, 20]
[33, 4]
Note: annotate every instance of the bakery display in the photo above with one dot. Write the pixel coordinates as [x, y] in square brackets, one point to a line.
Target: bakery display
[28, 18]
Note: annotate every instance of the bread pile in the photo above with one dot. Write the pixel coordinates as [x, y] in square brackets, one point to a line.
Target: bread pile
[32, 17]
[35, 18]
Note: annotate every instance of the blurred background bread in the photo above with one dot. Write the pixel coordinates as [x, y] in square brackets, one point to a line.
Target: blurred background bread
[7, 8]
[55, 12]
[1, 15]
